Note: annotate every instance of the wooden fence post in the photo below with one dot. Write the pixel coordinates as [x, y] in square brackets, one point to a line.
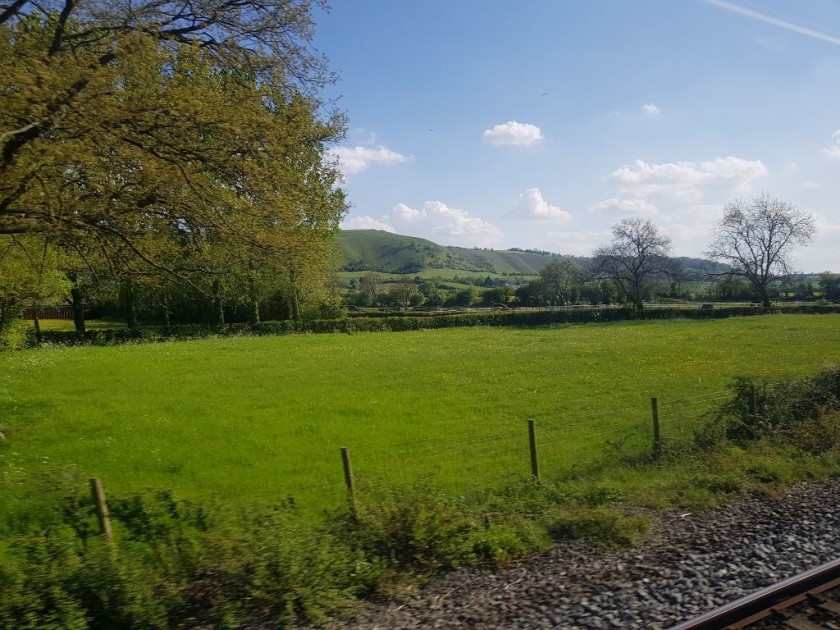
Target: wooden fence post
[535, 462]
[657, 438]
[98, 493]
[348, 478]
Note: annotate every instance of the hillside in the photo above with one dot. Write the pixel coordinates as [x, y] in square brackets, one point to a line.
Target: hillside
[375, 250]
[393, 253]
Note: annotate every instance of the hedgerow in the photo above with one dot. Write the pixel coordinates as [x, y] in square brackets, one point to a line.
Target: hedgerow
[402, 323]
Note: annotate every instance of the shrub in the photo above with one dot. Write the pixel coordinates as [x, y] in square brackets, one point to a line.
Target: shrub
[761, 409]
[416, 528]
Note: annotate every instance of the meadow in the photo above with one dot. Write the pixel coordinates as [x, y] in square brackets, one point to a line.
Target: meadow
[261, 419]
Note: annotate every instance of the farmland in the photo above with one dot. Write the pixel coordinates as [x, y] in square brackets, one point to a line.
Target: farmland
[254, 419]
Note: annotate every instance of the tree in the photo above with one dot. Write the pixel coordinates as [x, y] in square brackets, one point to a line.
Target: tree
[561, 282]
[830, 285]
[468, 296]
[404, 293]
[638, 251]
[30, 279]
[756, 239]
[76, 74]
[369, 287]
[155, 127]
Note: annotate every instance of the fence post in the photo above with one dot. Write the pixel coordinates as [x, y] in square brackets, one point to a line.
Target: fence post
[98, 493]
[535, 462]
[348, 478]
[657, 438]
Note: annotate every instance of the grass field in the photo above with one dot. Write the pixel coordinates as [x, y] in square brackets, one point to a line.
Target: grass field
[254, 419]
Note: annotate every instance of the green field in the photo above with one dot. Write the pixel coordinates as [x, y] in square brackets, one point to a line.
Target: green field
[254, 419]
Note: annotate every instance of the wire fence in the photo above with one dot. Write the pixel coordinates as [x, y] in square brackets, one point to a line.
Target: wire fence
[477, 458]
[471, 458]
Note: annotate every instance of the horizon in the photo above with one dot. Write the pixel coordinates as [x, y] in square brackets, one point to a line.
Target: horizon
[546, 252]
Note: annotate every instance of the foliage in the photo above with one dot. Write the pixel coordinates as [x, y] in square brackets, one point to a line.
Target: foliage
[801, 412]
[416, 528]
[166, 153]
[562, 281]
[30, 278]
[756, 239]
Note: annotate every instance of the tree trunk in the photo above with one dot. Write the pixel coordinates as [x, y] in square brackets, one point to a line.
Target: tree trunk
[167, 321]
[254, 314]
[294, 305]
[219, 303]
[294, 300]
[763, 294]
[37, 323]
[6, 314]
[78, 309]
[130, 305]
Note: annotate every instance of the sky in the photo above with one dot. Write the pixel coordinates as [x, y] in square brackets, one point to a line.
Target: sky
[539, 124]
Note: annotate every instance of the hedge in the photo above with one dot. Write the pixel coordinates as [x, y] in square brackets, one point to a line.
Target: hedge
[399, 323]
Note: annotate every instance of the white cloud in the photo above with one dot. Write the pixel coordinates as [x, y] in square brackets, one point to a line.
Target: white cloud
[353, 160]
[514, 133]
[687, 180]
[810, 184]
[651, 110]
[450, 223]
[833, 151]
[624, 205]
[366, 222]
[531, 205]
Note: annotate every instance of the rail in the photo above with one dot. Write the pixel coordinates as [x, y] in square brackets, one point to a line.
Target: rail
[762, 604]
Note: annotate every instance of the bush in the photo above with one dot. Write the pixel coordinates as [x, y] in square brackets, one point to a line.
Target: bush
[16, 335]
[803, 412]
[417, 529]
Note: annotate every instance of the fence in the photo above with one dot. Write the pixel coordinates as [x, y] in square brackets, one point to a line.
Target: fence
[474, 460]
[49, 312]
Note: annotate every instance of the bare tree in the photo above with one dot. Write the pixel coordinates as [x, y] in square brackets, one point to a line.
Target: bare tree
[756, 239]
[637, 252]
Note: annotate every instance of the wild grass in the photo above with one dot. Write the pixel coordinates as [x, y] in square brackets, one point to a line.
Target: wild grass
[260, 419]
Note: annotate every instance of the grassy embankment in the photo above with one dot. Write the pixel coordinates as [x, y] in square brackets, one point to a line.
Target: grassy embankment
[254, 420]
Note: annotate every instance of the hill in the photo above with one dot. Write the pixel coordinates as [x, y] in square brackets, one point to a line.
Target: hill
[375, 250]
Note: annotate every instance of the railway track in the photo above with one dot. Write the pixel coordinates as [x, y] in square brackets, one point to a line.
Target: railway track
[809, 601]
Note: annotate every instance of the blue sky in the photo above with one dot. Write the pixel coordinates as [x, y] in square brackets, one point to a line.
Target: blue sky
[540, 123]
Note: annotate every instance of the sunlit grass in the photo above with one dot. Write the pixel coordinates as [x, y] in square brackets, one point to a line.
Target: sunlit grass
[254, 419]
[91, 324]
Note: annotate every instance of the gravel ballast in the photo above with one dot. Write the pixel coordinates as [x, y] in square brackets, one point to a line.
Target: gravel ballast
[689, 563]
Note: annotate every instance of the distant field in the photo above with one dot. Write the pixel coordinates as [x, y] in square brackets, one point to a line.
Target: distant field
[255, 419]
[91, 324]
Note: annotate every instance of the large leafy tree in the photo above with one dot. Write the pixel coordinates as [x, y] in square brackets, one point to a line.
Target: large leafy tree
[756, 239]
[638, 251]
[562, 281]
[153, 131]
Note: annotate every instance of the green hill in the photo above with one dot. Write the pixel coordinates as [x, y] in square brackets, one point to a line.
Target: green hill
[374, 250]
